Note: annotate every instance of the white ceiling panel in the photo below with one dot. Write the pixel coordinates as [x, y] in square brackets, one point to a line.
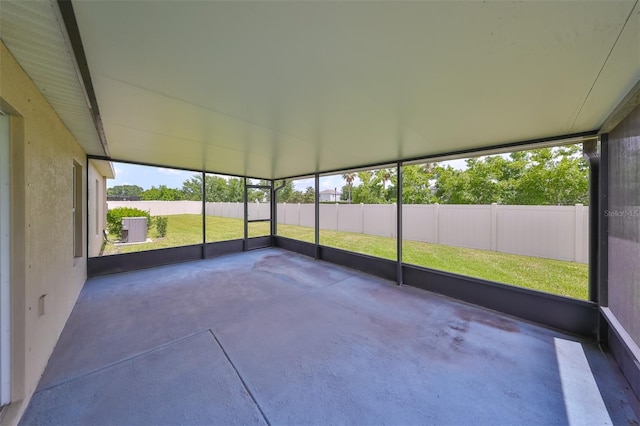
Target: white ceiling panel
[617, 77]
[274, 89]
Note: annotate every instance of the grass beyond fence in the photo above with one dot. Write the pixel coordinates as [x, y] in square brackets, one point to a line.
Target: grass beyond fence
[552, 276]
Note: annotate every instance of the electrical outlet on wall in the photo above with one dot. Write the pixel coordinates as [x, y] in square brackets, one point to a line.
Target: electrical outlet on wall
[41, 305]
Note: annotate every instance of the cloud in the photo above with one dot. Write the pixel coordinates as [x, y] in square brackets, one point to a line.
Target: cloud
[331, 182]
[169, 171]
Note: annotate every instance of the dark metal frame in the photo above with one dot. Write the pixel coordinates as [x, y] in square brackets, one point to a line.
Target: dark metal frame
[262, 241]
[598, 257]
[317, 214]
[575, 316]
[601, 242]
[246, 215]
[593, 228]
[71, 25]
[399, 275]
[204, 214]
[620, 347]
[125, 262]
[102, 265]
[513, 146]
[564, 313]
[611, 334]
[602, 263]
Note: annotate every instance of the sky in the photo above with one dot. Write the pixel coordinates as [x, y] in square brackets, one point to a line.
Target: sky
[147, 176]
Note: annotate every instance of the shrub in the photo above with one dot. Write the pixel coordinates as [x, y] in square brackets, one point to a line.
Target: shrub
[161, 225]
[114, 218]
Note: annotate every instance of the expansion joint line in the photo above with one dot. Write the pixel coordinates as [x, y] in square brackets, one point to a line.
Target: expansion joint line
[246, 387]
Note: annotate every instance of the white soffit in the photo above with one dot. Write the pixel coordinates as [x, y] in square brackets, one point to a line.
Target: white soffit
[274, 89]
[36, 38]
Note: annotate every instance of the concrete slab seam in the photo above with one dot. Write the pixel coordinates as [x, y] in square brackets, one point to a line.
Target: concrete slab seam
[264, 416]
[113, 364]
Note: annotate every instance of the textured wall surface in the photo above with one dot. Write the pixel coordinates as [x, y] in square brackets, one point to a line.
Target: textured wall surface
[97, 207]
[43, 264]
[624, 223]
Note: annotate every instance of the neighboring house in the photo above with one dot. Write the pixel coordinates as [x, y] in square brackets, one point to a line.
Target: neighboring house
[330, 195]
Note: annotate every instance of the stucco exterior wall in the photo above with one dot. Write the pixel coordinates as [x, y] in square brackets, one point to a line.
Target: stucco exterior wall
[97, 206]
[43, 264]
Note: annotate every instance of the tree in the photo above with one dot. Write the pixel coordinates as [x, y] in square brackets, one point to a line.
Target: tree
[259, 194]
[162, 193]
[235, 190]
[285, 192]
[547, 176]
[216, 188]
[555, 177]
[384, 175]
[288, 194]
[125, 191]
[192, 188]
[349, 177]
[309, 195]
[416, 184]
[369, 191]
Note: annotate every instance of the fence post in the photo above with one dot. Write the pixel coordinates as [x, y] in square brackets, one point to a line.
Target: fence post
[394, 230]
[298, 214]
[284, 212]
[494, 227]
[362, 218]
[578, 238]
[337, 216]
[436, 234]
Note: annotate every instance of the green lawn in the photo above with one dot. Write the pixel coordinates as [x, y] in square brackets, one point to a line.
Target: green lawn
[186, 229]
[552, 276]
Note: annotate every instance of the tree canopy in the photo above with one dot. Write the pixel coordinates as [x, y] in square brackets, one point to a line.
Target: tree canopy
[289, 194]
[162, 193]
[216, 188]
[125, 191]
[547, 176]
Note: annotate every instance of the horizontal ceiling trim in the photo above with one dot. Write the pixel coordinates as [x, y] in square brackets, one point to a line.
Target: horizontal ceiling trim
[487, 150]
[167, 166]
[492, 149]
[624, 108]
[73, 32]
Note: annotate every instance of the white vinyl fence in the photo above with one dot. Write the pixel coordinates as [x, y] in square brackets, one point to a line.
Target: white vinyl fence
[554, 232]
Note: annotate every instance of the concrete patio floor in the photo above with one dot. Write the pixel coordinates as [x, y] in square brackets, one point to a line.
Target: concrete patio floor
[272, 337]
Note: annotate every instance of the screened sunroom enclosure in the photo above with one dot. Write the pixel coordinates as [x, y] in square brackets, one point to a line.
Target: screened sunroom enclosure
[340, 178]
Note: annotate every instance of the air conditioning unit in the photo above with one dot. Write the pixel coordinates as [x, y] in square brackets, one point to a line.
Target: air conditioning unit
[134, 230]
